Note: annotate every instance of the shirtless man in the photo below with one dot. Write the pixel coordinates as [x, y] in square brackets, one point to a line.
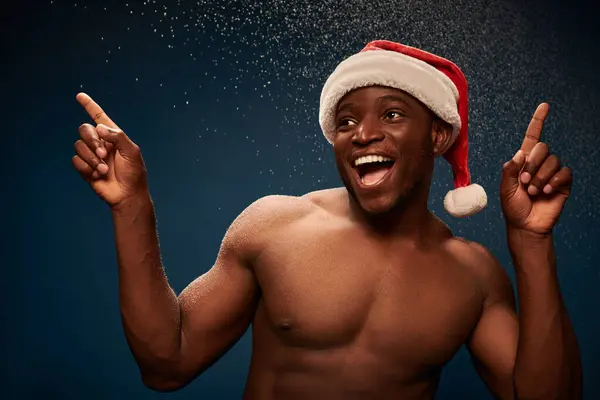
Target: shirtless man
[356, 292]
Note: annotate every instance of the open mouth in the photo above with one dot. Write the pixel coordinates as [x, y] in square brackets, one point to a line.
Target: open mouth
[372, 170]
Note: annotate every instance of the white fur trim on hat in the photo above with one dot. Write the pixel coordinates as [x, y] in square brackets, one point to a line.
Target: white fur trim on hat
[391, 69]
[465, 201]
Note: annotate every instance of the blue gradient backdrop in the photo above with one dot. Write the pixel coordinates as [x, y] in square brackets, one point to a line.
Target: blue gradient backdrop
[222, 97]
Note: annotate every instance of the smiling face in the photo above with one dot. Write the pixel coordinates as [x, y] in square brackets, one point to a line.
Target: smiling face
[385, 146]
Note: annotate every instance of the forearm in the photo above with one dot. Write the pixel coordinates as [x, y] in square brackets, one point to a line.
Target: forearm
[149, 307]
[547, 363]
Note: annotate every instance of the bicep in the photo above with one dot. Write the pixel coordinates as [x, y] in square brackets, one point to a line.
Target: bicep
[218, 307]
[216, 310]
[493, 347]
[494, 340]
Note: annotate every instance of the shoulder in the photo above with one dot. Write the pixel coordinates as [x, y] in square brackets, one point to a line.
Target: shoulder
[473, 254]
[485, 268]
[268, 213]
[268, 217]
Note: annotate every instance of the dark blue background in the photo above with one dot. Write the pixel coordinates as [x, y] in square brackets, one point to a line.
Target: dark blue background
[222, 97]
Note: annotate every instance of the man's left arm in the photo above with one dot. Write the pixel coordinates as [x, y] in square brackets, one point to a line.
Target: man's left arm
[546, 363]
[532, 354]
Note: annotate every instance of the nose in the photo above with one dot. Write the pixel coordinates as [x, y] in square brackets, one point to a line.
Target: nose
[367, 132]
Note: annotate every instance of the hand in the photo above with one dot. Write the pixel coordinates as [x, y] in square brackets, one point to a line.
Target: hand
[534, 186]
[107, 159]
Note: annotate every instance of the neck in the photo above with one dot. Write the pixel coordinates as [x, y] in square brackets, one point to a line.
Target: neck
[409, 219]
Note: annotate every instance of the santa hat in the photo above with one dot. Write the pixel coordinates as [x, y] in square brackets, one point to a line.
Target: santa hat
[436, 82]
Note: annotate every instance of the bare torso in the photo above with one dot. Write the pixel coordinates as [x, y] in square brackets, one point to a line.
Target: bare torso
[346, 315]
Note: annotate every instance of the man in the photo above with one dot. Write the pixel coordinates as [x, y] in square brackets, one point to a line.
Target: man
[356, 292]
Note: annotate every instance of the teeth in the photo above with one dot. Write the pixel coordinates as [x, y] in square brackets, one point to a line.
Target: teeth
[371, 159]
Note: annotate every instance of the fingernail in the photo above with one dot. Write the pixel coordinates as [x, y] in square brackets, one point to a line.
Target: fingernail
[100, 151]
[547, 189]
[532, 190]
[518, 157]
[525, 177]
[102, 168]
[113, 130]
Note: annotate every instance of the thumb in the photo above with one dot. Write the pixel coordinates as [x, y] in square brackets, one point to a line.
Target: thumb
[119, 139]
[512, 168]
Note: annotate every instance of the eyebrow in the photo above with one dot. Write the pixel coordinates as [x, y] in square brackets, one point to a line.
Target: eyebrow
[393, 97]
[387, 97]
[345, 106]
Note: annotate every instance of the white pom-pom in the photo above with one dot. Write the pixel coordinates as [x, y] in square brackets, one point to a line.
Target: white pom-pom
[465, 201]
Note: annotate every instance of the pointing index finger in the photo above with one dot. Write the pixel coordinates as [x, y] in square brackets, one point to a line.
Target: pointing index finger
[534, 130]
[95, 111]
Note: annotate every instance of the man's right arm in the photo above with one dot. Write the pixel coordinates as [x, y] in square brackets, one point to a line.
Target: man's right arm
[175, 339]
[172, 339]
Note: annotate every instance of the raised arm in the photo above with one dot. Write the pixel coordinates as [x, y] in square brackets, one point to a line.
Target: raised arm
[543, 352]
[172, 339]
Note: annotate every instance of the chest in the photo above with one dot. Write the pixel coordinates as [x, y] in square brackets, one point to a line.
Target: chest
[322, 290]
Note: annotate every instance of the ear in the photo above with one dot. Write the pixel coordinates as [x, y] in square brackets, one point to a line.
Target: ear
[441, 133]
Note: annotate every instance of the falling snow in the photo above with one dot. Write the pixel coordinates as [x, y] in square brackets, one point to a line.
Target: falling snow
[286, 49]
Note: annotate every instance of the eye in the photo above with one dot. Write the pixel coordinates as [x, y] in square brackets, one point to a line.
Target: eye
[393, 115]
[345, 122]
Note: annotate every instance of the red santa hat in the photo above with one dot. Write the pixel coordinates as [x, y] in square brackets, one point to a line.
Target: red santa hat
[438, 83]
